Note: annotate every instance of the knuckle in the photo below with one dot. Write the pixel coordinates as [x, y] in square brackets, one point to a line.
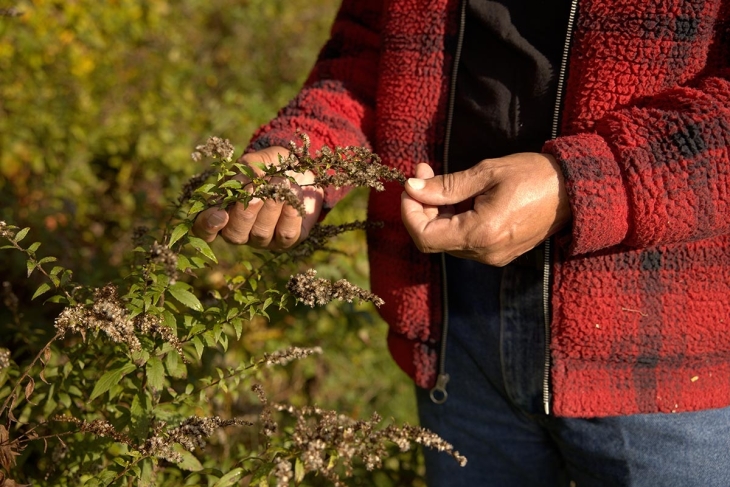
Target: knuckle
[287, 237]
[449, 183]
[260, 233]
[235, 238]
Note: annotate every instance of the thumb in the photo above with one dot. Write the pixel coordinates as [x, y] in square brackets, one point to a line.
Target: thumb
[447, 189]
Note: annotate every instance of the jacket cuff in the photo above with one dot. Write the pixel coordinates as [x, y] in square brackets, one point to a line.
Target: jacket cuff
[596, 192]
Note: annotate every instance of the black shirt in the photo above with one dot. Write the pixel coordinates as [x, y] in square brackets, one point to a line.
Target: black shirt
[507, 78]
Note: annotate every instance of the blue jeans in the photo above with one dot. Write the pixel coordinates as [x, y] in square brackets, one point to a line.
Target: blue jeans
[494, 414]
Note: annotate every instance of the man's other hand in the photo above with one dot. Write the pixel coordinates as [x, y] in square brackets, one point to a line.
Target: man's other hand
[513, 204]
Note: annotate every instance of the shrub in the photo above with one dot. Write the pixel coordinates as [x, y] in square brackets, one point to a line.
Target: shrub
[130, 385]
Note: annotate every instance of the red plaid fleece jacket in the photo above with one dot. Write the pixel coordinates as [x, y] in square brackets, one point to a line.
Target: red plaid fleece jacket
[641, 280]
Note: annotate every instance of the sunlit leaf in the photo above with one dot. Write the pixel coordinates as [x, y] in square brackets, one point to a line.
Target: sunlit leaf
[110, 378]
[155, 374]
[21, 235]
[185, 297]
[179, 232]
[231, 478]
[41, 289]
[201, 246]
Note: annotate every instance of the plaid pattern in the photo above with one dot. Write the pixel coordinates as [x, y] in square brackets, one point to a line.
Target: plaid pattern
[641, 282]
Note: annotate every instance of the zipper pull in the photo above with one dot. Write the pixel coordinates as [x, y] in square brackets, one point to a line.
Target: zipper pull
[438, 393]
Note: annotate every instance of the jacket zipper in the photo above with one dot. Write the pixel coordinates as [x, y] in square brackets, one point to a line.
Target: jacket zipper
[548, 242]
[438, 393]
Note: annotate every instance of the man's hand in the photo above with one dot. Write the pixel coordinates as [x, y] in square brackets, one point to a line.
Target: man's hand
[518, 201]
[265, 224]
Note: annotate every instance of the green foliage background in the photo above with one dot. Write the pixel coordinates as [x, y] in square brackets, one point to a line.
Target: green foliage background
[101, 103]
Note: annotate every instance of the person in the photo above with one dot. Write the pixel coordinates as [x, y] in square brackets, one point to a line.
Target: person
[556, 272]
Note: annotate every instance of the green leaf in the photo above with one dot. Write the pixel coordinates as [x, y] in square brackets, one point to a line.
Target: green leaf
[21, 235]
[33, 247]
[201, 246]
[41, 289]
[198, 343]
[179, 232]
[231, 183]
[298, 471]
[196, 207]
[46, 260]
[155, 374]
[206, 188]
[30, 265]
[261, 475]
[175, 367]
[111, 378]
[185, 297]
[189, 462]
[238, 327]
[183, 263]
[231, 478]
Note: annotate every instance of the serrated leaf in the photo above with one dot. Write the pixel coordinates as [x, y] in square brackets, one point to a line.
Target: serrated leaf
[261, 475]
[41, 289]
[33, 247]
[196, 208]
[185, 297]
[179, 232]
[238, 327]
[205, 189]
[30, 265]
[201, 246]
[109, 379]
[46, 260]
[183, 263]
[175, 367]
[231, 478]
[189, 462]
[231, 184]
[198, 343]
[21, 235]
[155, 374]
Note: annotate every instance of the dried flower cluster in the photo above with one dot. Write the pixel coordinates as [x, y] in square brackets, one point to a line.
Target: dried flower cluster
[283, 357]
[194, 183]
[138, 235]
[268, 425]
[320, 236]
[325, 439]
[310, 290]
[216, 148]
[343, 166]
[97, 427]
[283, 473]
[108, 314]
[4, 358]
[282, 193]
[151, 325]
[191, 434]
[164, 256]
[6, 231]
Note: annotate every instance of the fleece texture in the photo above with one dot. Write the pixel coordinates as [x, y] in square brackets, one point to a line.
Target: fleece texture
[640, 289]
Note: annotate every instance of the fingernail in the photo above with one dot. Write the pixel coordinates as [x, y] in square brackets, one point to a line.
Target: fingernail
[416, 183]
[216, 219]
